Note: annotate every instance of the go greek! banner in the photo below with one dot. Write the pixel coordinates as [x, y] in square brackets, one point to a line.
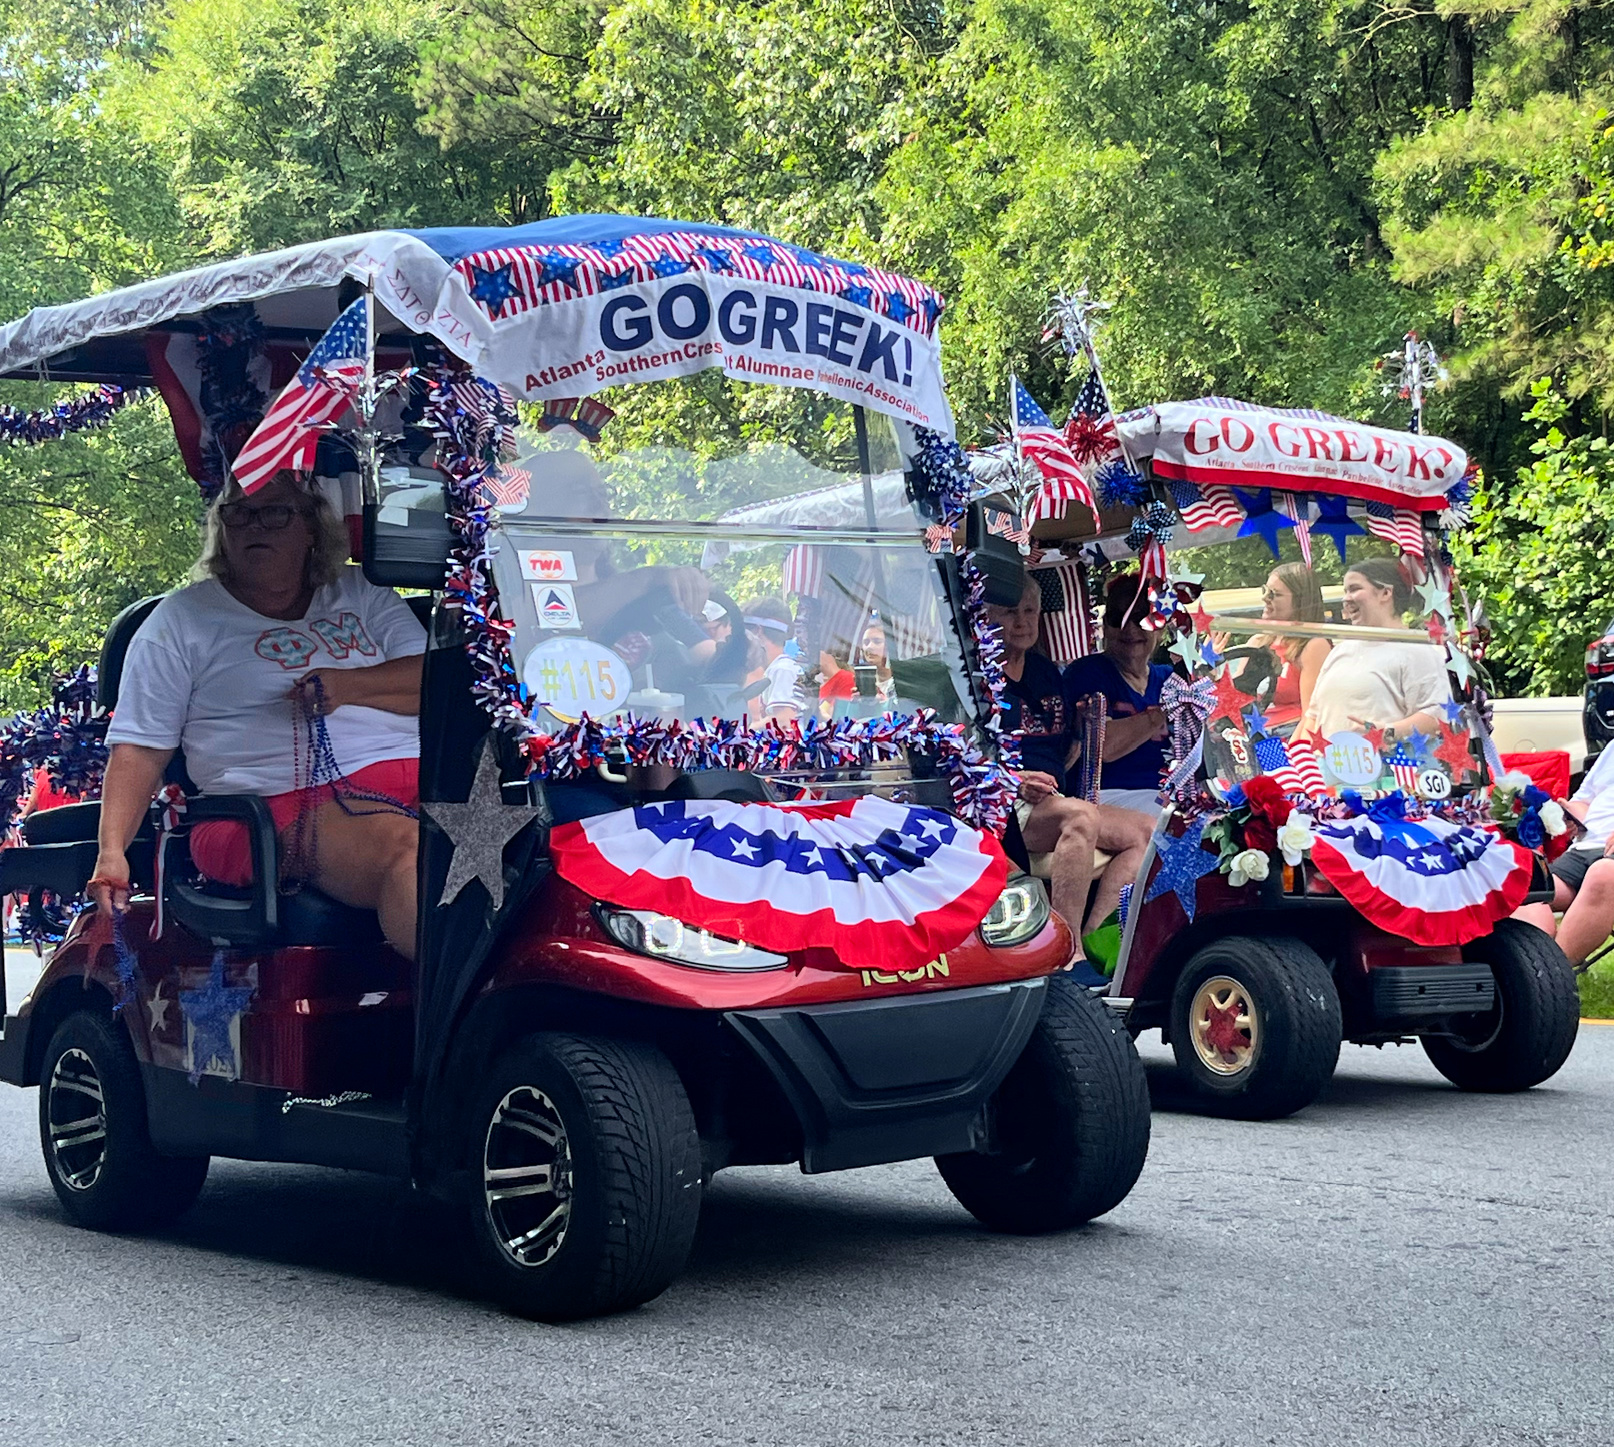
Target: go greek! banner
[1219, 441]
[885, 886]
[612, 300]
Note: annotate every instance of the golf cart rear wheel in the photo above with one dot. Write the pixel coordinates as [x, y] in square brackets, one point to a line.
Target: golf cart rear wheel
[1255, 1026]
[1070, 1124]
[585, 1176]
[92, 1128]
[1528, 1035]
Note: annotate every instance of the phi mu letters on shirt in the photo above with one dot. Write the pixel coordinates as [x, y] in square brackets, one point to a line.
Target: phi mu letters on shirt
[293, 649]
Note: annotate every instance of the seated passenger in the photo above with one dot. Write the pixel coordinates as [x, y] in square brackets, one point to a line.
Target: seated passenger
[1051, 823]
[1583, 875]
[275, 628]
[1364, 684]
[1291, 595]
[1135, 735]
[777, 683]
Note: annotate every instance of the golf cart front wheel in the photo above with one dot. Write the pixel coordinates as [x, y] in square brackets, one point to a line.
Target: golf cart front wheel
[1069, 1125]
[1529, 1033]
[585, 1176]
[92, 1128]
[1255, 1026]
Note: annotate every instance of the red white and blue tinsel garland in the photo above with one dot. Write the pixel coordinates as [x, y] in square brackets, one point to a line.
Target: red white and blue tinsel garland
[79, 414]
[67, 739]
[473, 424]
[884, 886]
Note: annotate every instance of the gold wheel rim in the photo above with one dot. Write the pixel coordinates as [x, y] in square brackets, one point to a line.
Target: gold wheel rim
[1224, 1024]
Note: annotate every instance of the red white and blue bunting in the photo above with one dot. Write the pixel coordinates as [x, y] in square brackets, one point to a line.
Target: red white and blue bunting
[883, 885]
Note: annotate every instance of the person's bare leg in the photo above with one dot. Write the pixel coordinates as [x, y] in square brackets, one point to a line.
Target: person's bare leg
[1545, 916]
[368, 861]
[1590, 917]
[1123, 833]
[1068, 830]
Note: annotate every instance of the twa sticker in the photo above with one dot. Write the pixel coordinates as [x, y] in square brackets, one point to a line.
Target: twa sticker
[547, 567]
[556, 606]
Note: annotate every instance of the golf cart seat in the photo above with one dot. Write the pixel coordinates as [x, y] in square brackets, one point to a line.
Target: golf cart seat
[258, 916]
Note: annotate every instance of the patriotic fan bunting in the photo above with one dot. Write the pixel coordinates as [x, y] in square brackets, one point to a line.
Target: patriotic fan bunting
[882, 885]
[1431, 882]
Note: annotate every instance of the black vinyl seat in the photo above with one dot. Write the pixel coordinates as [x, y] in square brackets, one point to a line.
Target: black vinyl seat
[259, 916]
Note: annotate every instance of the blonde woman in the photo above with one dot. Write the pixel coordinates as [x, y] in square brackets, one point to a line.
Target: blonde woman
[1291, 595]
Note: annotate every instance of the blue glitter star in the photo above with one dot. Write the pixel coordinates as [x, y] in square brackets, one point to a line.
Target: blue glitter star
[1208, 652]
[1454, 712]
[1182, 864]
[858, 295]
[716, 258]
[559, 268]
[1258, 720]
[1261, 518]
[611, 280]
[209, 1012]
[493, 286]
[1334, 521]
[932, 310]
[610, 248]
[896, 307]
[761, 253]
[668, 266]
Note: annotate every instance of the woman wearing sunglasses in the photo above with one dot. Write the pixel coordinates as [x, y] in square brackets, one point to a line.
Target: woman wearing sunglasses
[277, 647]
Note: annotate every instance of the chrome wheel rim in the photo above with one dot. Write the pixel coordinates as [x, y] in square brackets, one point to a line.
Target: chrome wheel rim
[1224, 1025]
[527, 1177]
[75, 1116]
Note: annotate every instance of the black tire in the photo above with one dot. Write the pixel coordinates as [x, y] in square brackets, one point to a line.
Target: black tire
[1070, 1124]
[92, 1129]
[1529, 1034]
[611, 1122]
[1282, 1058]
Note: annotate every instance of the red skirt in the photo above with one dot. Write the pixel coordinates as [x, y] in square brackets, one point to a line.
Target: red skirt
[222, 848]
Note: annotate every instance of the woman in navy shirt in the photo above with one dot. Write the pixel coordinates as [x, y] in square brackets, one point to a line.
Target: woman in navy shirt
[1135, 736]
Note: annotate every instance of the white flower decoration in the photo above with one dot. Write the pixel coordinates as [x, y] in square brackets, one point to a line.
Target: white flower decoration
[1552, 817]
[1513, 782]
[1295, 839]
[1251, 864]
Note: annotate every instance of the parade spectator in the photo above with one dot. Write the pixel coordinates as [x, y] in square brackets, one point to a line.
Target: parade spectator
[1135, 735]
[768, 623]
[1050, 822]
[1583, 875]
[1368, 683]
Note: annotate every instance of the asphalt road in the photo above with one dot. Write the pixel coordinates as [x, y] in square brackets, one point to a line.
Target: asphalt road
[1401, 1264]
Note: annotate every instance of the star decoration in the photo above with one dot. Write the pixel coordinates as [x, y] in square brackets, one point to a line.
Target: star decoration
[1437, 628]
[716, 258]
[1176, 579]
[1455, 712]
[559, 268]
[1257, 720]
[1202, 619]
[1433, 598]
[1375, 738]
[813, 857]
[1182, 864]
[1229, 701]
[210, 1012]
[1453, 752]
[494, 286]
[932, 310]
[479, 830]
[1208, 654]
[854, 268]
[1458, 662]
[858, 295]
[761, 253]
[744, 849]
[668, 266]
[611, 280]
[1187, 649]
[1334, 522]
[158, 1009]
[1261, 518]
[610, 248]
[897, 308]
[1419, 745]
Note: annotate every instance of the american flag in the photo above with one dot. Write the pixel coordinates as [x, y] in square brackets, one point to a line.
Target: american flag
[1405, 767]
[1005, 525]
[1402, 526]
[321, 390]
[803, 571]
[1066, 627]
[1090, 429]
[1301, 774]
[1042, 445]
[509, 487]
[1209, 507]
[1297, 509]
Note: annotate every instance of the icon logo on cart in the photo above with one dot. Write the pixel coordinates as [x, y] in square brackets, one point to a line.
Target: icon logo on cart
[937, 969]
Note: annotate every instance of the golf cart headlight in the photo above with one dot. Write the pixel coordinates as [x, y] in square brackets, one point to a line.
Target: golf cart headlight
[664, 938]
[1016, 915]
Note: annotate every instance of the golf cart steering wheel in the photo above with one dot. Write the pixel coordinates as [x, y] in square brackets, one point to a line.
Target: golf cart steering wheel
[1260, 671]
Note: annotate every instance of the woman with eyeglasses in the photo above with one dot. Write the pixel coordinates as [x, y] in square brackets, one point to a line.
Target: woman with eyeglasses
[1291, 595]
[277, 644]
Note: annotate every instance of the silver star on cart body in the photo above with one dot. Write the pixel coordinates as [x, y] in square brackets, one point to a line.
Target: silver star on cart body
[479, 829]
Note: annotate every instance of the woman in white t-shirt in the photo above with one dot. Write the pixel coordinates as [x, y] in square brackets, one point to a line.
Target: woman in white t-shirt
[1367, 684]
[276, 630]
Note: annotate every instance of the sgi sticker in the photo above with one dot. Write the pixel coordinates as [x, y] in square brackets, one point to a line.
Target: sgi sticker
[1433, 784]
[547, 567]
[574, 676]
[557, 608]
